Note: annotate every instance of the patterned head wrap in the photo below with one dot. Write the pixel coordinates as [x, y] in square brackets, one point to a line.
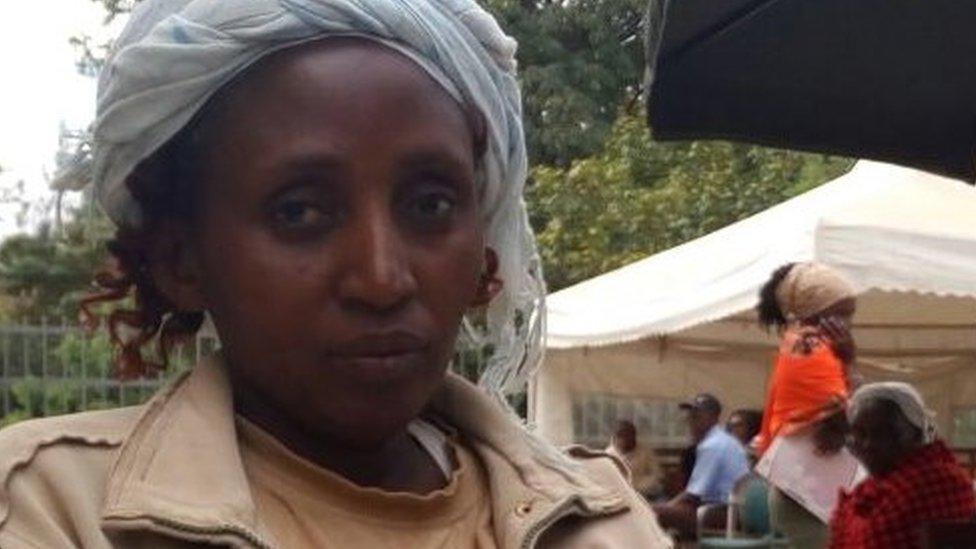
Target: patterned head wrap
[175, 54]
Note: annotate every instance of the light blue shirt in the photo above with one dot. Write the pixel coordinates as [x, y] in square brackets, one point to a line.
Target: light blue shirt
[720, 461]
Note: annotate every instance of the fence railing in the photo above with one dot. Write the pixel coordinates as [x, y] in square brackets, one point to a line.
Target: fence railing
[54, 368]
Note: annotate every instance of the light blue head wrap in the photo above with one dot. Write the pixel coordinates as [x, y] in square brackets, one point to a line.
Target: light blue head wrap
[175, 54]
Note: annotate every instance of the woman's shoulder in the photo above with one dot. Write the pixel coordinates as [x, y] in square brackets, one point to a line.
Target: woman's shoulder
[95, 427]
[22, 443]
[56, 468]
[639, 521]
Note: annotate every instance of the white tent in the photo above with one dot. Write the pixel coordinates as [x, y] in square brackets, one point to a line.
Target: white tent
[680, 322]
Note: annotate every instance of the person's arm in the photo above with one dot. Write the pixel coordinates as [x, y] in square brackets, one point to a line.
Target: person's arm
[763, 439]
[680, 514]
[845, 349]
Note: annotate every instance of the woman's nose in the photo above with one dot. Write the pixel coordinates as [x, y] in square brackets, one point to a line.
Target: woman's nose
[377, 274]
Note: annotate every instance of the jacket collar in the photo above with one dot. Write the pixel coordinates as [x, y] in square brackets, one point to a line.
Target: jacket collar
[179, 471]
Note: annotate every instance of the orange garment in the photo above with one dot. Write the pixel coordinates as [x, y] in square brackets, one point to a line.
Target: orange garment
[809, 383]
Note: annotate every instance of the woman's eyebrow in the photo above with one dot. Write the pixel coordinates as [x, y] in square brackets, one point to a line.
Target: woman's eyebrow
[310, 163]
[454, 161]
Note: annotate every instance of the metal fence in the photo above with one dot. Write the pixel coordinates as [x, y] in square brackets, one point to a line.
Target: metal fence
[54, 368]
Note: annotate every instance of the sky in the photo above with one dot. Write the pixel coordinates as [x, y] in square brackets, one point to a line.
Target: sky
[40, 88]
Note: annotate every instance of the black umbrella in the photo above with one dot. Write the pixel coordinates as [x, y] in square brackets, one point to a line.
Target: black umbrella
[893, 80]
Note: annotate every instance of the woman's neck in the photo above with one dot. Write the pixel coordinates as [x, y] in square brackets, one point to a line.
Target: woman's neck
[398, 464]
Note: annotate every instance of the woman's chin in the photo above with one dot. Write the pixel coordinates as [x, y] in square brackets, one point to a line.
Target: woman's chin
[365, 419]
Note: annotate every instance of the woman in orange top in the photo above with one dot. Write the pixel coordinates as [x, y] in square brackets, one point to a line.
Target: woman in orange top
[811, 306]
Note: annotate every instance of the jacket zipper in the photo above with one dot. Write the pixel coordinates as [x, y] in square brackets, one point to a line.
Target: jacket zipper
[552, 517]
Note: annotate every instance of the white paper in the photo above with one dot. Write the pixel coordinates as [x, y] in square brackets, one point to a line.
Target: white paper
[813, 481]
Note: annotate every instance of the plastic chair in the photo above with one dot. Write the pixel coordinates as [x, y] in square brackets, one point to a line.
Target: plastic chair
[748, 527]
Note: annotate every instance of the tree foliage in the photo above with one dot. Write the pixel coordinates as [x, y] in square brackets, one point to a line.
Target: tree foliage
[46, 273]
[578, 60]
[636, 197]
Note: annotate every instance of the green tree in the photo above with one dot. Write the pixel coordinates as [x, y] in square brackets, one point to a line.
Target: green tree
[578, 60]
[46, 273]
[637, 197]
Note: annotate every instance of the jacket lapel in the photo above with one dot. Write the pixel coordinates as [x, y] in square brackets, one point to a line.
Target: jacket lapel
[181, 466]
[180, 472]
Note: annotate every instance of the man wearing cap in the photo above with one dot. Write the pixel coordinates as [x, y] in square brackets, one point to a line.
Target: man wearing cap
[720, 461]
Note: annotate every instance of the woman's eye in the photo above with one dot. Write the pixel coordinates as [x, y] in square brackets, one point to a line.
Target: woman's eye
[301, 215]
[432, 206]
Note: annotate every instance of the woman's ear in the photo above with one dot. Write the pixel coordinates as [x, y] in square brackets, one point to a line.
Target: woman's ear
[489, 285]
[174, 267]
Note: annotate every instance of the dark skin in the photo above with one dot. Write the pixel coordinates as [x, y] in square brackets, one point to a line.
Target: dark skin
[882, 437]
[337, 246]
[681, 512]
[625, 436]
[738, 428]
[834, 323]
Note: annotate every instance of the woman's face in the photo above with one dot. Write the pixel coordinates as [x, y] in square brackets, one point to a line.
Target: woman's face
[339, 241]
[881, 437]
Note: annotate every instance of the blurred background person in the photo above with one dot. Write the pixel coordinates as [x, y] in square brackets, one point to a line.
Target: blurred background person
[811, 306]
[744, 424]
[720, 461]
[645, 471]
[915, 480]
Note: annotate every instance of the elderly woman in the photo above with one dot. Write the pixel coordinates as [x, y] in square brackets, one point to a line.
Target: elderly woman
[337, 186]
[811, 305]
[915, 480]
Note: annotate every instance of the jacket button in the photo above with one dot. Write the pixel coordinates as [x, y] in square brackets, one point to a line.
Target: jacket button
[523, 509]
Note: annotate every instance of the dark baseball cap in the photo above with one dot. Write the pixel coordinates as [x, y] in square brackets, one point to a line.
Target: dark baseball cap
[703, 402]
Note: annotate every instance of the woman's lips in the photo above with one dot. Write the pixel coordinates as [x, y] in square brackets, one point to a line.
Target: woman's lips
[380, 345]
[379, 357]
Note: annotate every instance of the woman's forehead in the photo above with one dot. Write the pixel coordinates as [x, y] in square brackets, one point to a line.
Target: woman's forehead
[337, 97]
[334, 65]
[878, 413]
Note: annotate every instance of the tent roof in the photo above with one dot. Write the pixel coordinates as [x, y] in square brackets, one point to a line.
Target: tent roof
[888, 228]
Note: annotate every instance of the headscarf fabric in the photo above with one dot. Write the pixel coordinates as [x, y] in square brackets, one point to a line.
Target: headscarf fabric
[903, 395]
[809, 289]
[175, 54]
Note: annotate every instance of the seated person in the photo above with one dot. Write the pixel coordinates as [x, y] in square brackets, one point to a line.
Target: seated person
[744, 425]
[915, 480]
[645, 472]
[720, 461]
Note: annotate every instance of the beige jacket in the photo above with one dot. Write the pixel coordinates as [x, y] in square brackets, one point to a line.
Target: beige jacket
[169, 475]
